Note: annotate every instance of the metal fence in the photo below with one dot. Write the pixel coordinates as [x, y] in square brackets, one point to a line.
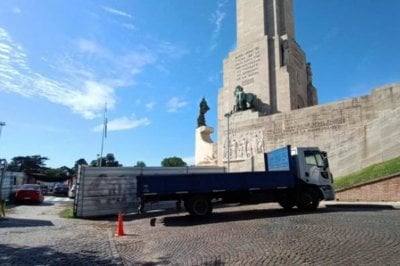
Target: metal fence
[4, 187]
[105, 191]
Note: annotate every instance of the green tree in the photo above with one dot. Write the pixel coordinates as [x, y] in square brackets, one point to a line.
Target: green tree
[173, 162]
[111, 162]
[140, 164]
[77, 163]
[108, 161]
[31, 164]
[95, 163]
[80, 162]
[63, 172]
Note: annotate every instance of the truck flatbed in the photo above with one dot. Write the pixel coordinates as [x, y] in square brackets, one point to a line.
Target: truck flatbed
[153, 185]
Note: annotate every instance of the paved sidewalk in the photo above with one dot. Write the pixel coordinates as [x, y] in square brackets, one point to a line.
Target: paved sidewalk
[36, 235]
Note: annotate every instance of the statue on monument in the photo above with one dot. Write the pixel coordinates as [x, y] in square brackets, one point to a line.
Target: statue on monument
[201, 120]
[244, 101]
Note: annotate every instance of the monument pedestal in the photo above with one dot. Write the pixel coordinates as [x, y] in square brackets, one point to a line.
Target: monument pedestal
[206, 149]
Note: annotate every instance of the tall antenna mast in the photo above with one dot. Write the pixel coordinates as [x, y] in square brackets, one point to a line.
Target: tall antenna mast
[104, 135]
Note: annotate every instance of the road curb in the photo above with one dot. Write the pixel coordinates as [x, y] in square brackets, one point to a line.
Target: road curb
[365, 205]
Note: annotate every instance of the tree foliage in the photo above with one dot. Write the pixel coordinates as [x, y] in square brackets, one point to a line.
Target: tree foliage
[61, 173]
[80, 162]
[30, 164]
[77, 163]
[35, 166]
[173, 162]
[95, 163]
[111, 162]
[108, 161]
[140, 164]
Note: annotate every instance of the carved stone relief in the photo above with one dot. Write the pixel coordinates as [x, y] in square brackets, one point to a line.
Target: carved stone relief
[244, 145]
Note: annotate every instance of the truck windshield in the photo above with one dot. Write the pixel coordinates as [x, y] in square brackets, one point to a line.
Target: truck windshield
[314, 158]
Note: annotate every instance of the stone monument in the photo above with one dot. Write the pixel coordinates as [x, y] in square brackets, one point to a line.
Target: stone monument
[206, 149]
[268, 62]
[270, 65]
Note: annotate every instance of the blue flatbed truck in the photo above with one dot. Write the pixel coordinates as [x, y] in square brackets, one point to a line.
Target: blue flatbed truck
[292, 177]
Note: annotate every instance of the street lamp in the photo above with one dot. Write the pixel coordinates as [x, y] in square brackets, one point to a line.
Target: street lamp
[228, 116]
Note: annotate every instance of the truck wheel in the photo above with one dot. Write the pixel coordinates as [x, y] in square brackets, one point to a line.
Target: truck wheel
[287, 203]
[308, 200]
[199, 206]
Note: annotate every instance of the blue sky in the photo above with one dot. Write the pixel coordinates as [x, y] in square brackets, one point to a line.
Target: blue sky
[153, 61]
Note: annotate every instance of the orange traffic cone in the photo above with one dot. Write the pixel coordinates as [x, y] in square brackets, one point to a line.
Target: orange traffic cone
[120, 228]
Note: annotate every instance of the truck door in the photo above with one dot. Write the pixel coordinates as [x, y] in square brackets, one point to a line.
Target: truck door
[314, 169]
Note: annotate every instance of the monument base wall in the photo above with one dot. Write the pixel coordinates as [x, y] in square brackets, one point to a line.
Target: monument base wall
[356, 133]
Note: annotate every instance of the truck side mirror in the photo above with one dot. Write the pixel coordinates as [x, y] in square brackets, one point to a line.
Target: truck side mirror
[325, 157]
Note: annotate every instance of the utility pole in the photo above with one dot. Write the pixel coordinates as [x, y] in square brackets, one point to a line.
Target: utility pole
[228, 116]
[104, 134]
[3, 168]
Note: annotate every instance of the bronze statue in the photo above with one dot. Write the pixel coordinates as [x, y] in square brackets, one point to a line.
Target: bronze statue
[201, 120]
[244, 100]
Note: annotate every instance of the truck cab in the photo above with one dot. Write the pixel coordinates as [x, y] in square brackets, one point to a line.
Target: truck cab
[313, 170]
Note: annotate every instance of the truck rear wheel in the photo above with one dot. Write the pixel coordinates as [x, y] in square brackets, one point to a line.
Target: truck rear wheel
[287, 203]
[199, 206]
[308, 200]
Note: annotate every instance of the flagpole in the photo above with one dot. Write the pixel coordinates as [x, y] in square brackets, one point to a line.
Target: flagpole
[104, 135]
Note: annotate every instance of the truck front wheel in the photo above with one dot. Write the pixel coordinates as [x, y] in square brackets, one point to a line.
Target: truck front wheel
[199, 206]
[308, 200]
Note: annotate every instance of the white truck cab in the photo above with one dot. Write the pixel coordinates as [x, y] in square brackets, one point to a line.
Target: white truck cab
[313, 169]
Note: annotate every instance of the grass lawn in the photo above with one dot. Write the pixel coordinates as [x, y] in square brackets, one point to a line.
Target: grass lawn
[67, 212]
[370, 173]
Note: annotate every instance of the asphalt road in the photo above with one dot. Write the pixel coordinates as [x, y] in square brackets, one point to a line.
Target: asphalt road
[250, 235]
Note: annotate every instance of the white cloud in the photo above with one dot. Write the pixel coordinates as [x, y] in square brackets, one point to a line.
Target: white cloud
[15, 76]
[171, 50]
[128, 26]
[174, 104]
[116, 12]
[217, 18]
[90, 101]
[123, 123]
[150, 106]
[90, 47]
[16, 10]
[82, 80]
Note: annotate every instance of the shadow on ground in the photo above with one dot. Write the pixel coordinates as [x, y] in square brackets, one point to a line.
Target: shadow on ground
[15, 222]
[22, 255]
[15, 205]
[244, 215]
[368, 206]
[226, 216]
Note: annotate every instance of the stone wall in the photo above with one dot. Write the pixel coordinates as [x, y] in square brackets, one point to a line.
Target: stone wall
[356, 133]
[385, 189]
